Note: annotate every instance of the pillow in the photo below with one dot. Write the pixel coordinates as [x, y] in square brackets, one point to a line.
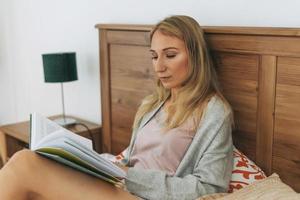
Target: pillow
[244, 171]
[268, 188]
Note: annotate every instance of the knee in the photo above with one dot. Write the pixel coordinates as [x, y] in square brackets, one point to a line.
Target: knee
[19, 170]
[22, 159]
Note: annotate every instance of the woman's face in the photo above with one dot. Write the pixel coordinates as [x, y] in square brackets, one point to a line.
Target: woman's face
[170, 60]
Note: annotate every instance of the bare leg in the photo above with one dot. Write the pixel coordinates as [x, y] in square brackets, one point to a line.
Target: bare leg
[30, 176]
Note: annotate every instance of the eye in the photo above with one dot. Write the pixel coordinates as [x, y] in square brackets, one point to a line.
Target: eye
[153, 57]
[171, 55]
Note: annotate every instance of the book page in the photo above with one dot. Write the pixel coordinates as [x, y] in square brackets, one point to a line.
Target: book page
[64, 157]
[98, 160]
[43, 129]
[88, 155]
[40, 128]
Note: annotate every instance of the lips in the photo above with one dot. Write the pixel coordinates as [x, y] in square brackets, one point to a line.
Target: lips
[164, 78]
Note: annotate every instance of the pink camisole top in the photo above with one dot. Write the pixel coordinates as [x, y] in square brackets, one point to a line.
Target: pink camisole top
[156, 148]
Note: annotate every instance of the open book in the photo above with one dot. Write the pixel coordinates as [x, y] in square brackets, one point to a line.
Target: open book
[55, 142]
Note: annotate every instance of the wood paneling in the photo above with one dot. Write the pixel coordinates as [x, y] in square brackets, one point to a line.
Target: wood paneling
[289, 70]
[288, 170]
[267, 45]
[286, 152]
[135, 73]
[131, 80]
[105, 91]
[128, 37]
[238, 75]
[255, 31]
[265, 114]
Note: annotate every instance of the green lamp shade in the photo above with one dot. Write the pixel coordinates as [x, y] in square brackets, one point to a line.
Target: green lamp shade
[60, 67]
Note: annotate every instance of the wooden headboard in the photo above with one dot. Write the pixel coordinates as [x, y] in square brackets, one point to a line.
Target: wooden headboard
[258, 68]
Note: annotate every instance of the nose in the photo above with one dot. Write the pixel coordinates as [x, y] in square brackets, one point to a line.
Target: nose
[159, 65]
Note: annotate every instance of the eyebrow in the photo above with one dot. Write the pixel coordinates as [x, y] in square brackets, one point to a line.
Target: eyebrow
[167, 48]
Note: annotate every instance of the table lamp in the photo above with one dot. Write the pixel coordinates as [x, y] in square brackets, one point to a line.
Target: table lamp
[60, 68]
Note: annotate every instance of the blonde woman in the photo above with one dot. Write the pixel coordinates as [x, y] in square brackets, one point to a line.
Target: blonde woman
[181, 146]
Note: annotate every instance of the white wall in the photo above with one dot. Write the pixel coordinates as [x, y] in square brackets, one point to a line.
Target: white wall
[29, 28]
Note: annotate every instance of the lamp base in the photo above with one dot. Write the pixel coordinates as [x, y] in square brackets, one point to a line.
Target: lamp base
[65, 121]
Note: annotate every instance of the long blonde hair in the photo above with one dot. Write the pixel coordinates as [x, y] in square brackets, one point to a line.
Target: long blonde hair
[201, 83]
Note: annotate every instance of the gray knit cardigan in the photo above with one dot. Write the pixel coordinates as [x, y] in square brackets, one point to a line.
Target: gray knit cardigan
[205, 168]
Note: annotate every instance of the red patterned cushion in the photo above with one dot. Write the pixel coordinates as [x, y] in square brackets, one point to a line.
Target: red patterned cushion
[244, 171]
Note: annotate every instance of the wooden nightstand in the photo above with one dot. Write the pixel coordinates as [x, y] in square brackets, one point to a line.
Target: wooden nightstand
[15, 137]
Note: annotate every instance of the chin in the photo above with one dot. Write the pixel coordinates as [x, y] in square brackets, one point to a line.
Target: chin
[168, 86]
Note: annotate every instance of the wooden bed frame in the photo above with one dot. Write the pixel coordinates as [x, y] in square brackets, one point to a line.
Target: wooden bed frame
[259, 69]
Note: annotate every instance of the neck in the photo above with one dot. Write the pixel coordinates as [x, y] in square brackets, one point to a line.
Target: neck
[173, 95]
[171, 98]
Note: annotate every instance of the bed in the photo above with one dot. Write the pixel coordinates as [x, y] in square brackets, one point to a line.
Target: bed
[258, 68]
